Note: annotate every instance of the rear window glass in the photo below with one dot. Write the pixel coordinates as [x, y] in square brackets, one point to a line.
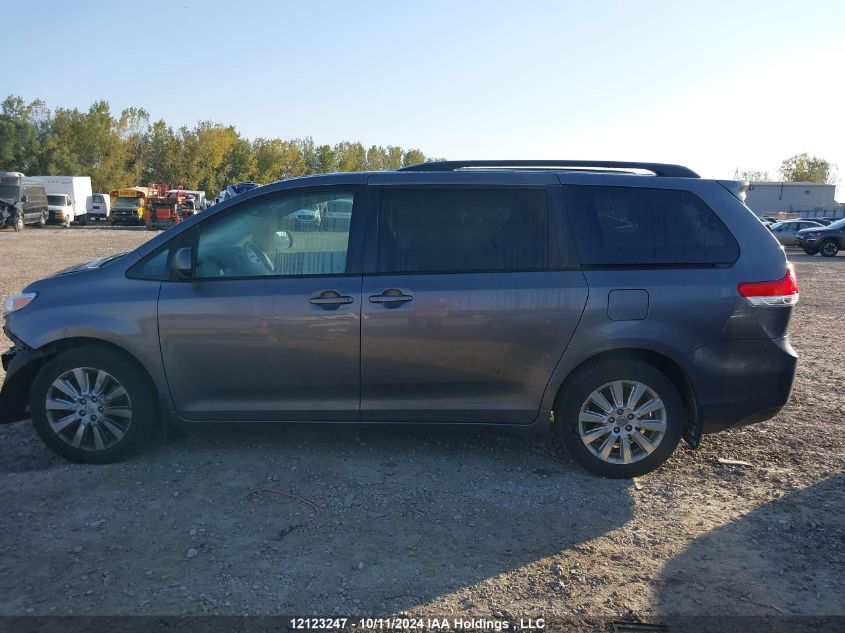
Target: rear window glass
[460, 230]
[632, 226]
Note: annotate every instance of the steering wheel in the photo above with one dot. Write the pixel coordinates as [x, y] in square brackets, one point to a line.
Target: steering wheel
[256, 256]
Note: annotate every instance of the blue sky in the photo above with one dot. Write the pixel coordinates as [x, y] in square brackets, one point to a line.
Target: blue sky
[714, 85]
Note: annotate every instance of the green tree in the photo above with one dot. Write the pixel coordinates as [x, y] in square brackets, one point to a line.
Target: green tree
[130, 150]
[751, 176]
[21, 134]
[805, 168]
[413, 157]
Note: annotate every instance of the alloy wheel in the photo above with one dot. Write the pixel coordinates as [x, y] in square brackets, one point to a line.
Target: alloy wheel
[88, 409]
[622, 422]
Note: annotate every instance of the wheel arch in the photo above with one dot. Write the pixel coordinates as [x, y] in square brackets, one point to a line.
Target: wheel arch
[673, 370]
[49, 351]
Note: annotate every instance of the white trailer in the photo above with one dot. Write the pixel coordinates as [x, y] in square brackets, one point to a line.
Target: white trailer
[78, 191]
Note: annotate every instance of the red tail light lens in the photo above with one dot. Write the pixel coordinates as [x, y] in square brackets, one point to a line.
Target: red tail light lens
[783, 292]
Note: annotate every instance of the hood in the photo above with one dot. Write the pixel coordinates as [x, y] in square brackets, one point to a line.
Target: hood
[94, 263]
[813, 229]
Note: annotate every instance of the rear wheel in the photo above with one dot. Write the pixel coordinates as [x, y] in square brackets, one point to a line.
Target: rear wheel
[829, 248]
[620, 419]
[92, 405]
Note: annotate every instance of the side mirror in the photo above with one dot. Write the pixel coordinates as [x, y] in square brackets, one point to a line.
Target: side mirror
[182, 263]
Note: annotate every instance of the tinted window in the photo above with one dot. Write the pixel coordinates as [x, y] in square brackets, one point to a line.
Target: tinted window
[275, 235]
[449, 230]
[153, 266]
[629, 226]
[97, 198]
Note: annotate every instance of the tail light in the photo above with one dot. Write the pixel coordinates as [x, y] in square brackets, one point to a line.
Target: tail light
[783, 292]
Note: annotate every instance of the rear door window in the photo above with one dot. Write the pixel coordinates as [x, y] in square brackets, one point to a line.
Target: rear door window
[462, 230]
[633, 226]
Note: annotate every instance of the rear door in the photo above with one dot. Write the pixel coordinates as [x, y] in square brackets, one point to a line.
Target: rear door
[268, 327]
[470, 297]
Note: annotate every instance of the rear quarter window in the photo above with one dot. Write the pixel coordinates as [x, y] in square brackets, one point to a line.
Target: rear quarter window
[642, 227]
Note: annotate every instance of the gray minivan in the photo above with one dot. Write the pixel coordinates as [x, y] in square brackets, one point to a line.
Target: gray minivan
[625, 305]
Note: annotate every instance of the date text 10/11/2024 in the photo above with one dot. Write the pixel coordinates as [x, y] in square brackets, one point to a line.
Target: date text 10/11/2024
[419, 624]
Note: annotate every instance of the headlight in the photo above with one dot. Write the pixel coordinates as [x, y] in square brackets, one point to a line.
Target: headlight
[16, 302]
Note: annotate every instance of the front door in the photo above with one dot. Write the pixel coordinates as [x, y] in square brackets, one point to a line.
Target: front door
[268, 328]
[468, 307]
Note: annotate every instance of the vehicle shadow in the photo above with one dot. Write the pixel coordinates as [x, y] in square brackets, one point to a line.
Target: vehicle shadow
[786, 558]
[305, 520]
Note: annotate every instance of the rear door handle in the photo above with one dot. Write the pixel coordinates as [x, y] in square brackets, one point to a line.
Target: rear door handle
[391, 296]
[330, 299]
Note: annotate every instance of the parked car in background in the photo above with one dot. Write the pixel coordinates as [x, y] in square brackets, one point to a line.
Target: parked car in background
[22, 201]
[770, 219]
[99, 208]
[827, 240]
[191, 201]
[623, 311]
[234, 190]
[76, 189]
[825, 221]
[786, 232]
[60, 209]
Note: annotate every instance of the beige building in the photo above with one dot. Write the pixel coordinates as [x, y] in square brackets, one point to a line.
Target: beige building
[806, 199]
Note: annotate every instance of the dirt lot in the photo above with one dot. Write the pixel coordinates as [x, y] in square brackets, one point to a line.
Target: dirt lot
[432, 523]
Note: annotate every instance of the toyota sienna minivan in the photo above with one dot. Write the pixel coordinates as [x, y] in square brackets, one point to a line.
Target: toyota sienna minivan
[624, 305]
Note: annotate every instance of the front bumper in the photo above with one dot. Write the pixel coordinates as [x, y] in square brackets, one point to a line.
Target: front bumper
[20, 365]
[741, 382]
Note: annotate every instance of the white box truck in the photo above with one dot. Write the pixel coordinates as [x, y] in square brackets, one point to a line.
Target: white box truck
[68, 198]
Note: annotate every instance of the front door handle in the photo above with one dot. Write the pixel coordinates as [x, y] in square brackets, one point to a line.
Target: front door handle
[330, 299]
[391, 296]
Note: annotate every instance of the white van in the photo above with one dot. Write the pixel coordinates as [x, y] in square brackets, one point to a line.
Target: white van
[77, 189]
[99, 206]
[60, 209]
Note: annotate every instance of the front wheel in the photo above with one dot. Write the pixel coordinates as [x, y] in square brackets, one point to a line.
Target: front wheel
[620, 419]
[42, 221]
[829, 248]
[91, 405]
[19, 222]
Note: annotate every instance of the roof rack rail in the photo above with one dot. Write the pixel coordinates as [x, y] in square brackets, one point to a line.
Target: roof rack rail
[658, 169]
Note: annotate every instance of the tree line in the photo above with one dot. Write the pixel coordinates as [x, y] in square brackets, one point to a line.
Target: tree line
[127, 150]
[798, 168]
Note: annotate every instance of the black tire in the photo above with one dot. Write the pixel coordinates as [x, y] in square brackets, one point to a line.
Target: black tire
[811, 251]
[19, 224]
[575, 394]
[141, 397]
[829, 248]
[42, 221]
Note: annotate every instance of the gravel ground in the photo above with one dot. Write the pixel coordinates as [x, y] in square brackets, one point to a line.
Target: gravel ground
[453, 523]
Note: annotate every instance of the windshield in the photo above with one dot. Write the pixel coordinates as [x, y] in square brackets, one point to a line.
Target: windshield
[57, 200]
[839, 224]
[128, 203]
[9, 192]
